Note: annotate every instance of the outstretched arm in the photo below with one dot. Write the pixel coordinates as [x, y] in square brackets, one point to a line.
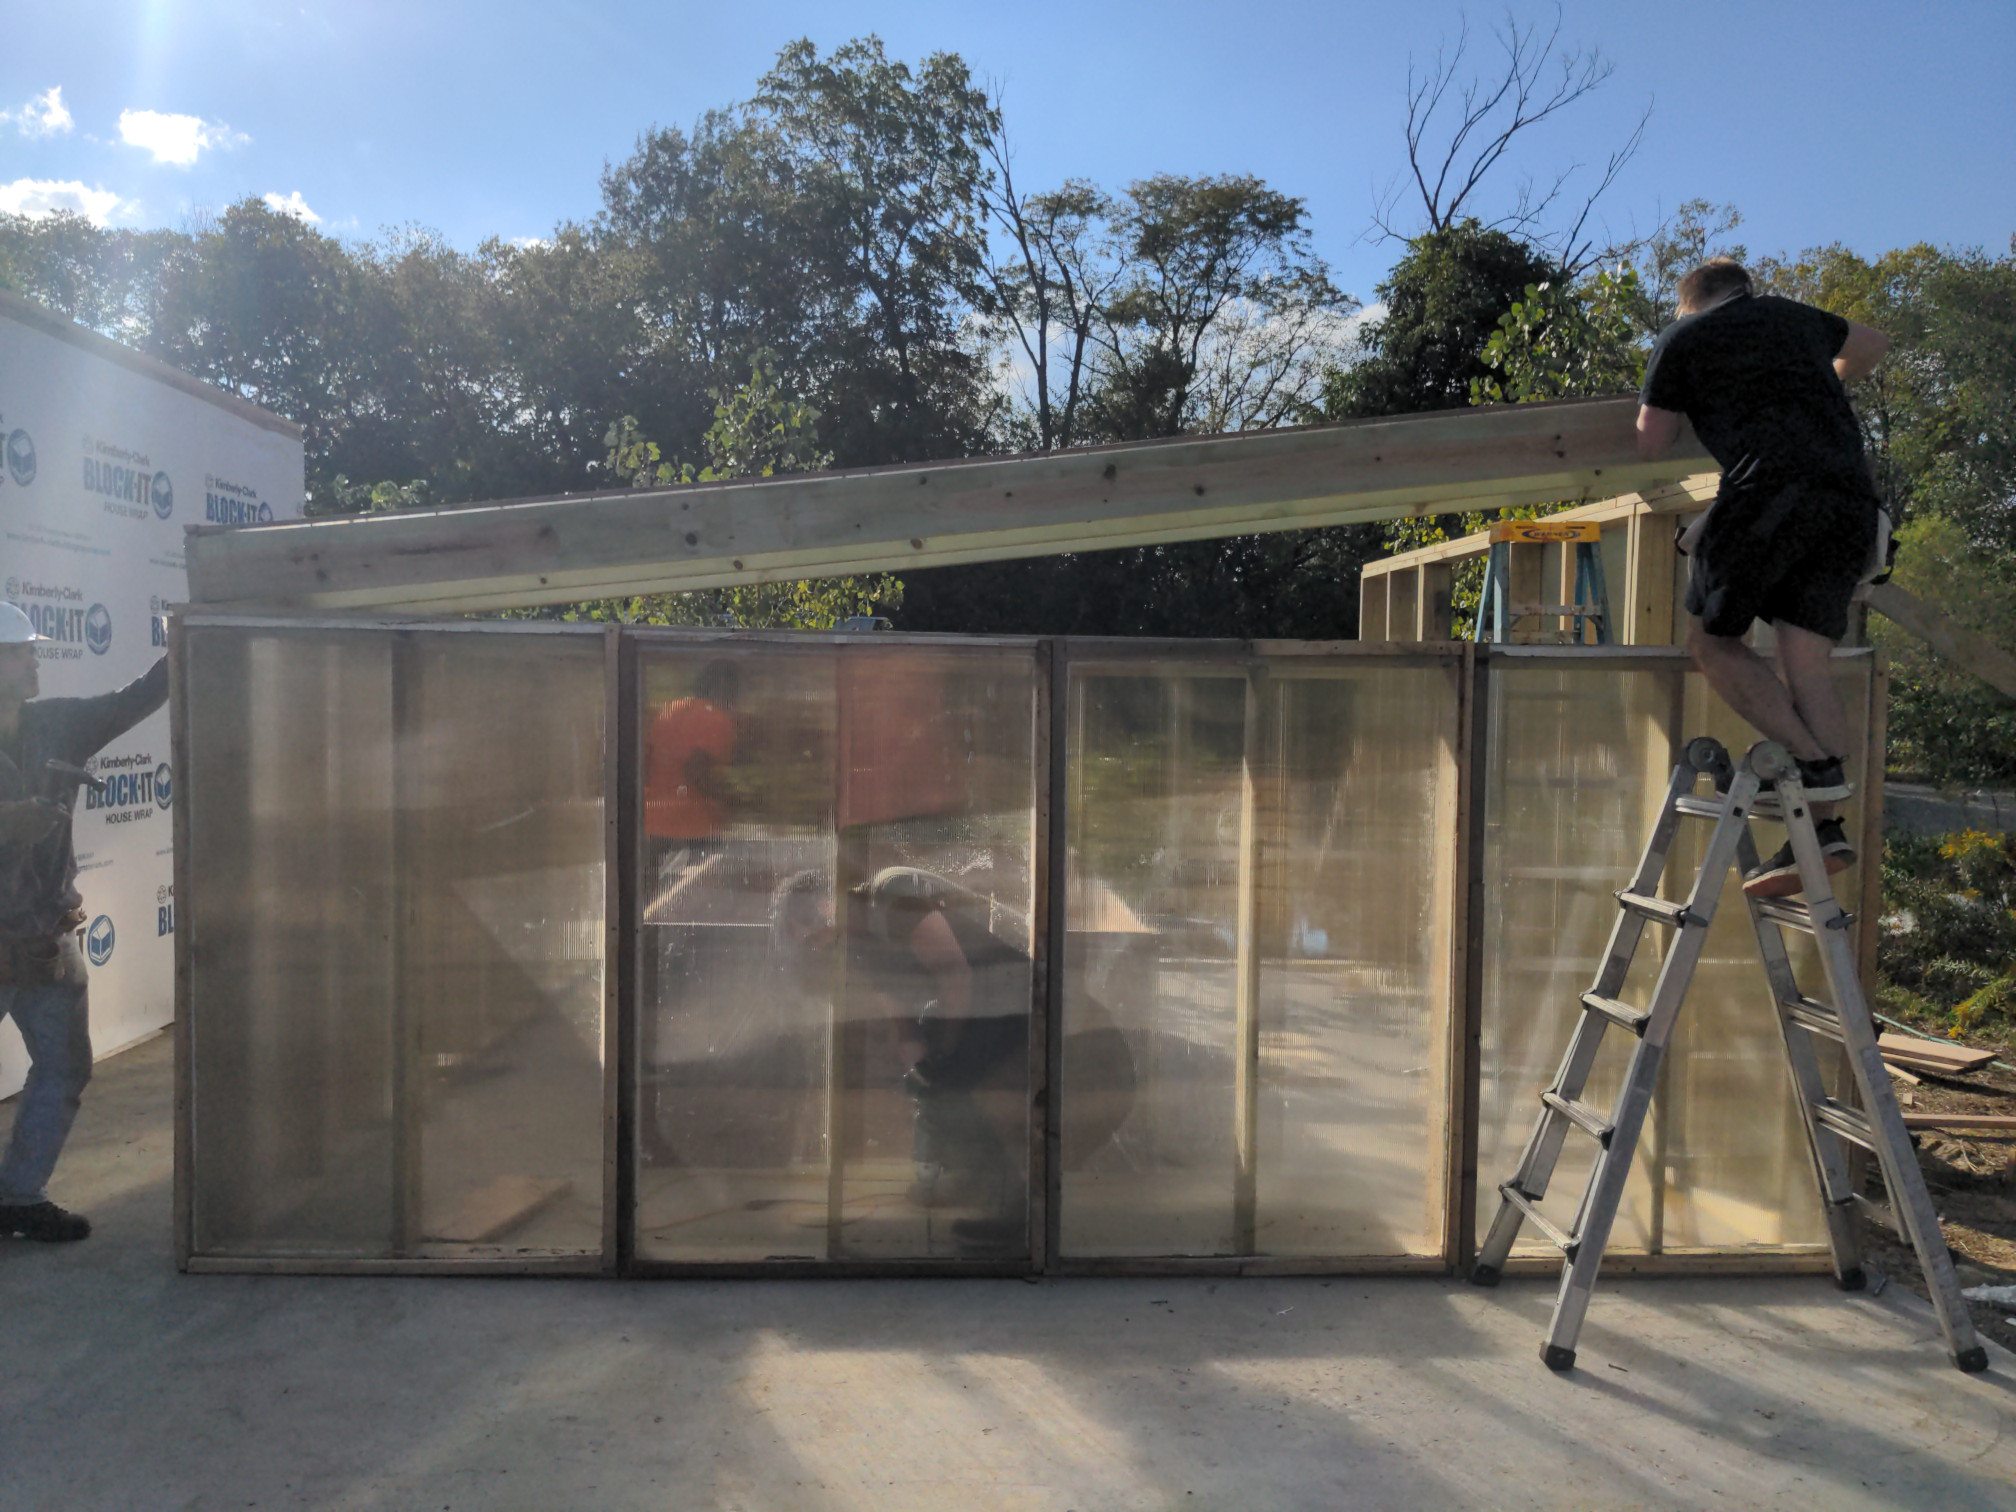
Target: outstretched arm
[1658, 429]
[109, 715]
[1860, 353]
[937, 951]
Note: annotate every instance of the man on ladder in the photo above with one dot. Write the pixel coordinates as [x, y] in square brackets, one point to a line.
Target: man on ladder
[1764, 381]
[1787, 540]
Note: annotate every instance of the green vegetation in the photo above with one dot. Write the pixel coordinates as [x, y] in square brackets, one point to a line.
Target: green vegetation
[1947, 958]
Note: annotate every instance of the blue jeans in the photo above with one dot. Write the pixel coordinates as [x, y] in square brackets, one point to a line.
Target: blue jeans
[55, 1024]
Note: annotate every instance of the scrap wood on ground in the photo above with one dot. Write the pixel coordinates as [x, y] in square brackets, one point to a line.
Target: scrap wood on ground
[1963, 1122]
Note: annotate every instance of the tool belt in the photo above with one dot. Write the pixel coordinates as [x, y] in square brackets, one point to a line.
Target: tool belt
[33, 960]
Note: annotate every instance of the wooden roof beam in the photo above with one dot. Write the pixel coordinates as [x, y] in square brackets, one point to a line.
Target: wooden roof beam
[506, 555]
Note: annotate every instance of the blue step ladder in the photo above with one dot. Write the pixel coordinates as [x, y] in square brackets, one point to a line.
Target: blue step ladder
[1591, 609]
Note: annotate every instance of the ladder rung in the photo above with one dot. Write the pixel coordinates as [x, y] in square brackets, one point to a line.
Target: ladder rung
[1659, 910]
[1815, 1018]
[1788, 915]
[1848, 1123]
[1554, 1234]
[1589, 1120]
[1700, 808]
[1623, 1015]
[1877, 1212]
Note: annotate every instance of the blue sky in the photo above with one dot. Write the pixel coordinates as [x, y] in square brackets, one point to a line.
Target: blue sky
[1873, 125]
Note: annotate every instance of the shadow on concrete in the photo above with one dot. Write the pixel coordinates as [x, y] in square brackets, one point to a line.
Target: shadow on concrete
[131, 1386]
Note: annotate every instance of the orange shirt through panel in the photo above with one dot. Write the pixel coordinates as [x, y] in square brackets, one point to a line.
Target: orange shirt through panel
[675, 807]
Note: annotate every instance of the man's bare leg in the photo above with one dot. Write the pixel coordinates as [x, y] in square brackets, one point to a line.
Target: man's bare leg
[1750, 686]
[1809, 670]
[1807, 718]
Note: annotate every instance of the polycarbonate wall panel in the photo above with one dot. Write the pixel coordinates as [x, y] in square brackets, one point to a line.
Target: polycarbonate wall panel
[394, 904]
[1354, 979]
[1577, 764]
[837, 856]
[1256, 966]
[393, 920]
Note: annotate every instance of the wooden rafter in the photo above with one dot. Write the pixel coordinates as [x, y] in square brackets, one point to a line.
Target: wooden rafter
[493, 556]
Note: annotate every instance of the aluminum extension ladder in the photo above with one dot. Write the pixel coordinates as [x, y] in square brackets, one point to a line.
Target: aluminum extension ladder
[1832, 1127]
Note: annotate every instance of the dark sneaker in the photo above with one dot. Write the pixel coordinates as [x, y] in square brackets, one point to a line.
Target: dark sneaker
[42, 1221]
[1824, 781]
[1779, 877]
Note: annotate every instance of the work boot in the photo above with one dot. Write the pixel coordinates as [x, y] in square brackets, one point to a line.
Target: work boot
[42, 1221]
[1779, 877]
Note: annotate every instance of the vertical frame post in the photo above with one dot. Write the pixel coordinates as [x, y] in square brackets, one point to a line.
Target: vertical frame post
[1876, 753]
[1466, 963]
[185, 996]
[1436, 602]
[1403, 604]
[1372, 597]
[1046, 1039]
[408, 848]
[621, 1057]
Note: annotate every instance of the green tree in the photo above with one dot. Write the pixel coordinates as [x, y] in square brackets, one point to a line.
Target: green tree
[1217, 308]
[758, 432]
[1697, 231]
[884, 168]
[1441, 302]
[1566, 343]
[1962, 453]
[266, 307]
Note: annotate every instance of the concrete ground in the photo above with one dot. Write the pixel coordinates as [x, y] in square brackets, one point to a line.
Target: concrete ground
[127, 1385]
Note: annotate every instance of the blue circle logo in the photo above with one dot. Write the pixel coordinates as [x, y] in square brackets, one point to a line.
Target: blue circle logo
[98, 629]
[99, 940]
[164, 496]
[21, 457]
[164, 785]
[265, 512]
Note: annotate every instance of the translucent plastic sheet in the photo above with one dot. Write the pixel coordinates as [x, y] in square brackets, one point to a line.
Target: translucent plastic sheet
[1577, 764]
[394, 900]
[394, 914]
[1286, 1097]
[818, 1077]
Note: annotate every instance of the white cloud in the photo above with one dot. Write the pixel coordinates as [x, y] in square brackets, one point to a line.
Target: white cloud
[292, 204]
[530, 243]
[43, 116]
[175, 139]
[36, 198]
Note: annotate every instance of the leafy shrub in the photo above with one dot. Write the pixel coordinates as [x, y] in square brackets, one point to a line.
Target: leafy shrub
[1948, 948]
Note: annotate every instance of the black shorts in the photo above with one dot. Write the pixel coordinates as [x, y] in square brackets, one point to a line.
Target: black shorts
[1792, 556]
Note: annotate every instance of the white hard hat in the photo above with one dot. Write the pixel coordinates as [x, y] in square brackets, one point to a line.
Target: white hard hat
[15, 626]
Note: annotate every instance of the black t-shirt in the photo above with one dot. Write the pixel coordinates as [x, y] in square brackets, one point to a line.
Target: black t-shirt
[1756, 377]
[957, 1051]
[893, 903]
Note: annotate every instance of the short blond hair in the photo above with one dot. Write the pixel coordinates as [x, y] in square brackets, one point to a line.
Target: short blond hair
[1711, 282]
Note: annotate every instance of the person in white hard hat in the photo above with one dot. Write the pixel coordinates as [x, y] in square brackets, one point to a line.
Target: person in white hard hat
[42, 978]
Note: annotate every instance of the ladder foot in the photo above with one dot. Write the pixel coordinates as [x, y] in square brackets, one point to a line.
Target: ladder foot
[1852, 1280]
[1972, 1360]
[1485, 1275]
[1557, 1358]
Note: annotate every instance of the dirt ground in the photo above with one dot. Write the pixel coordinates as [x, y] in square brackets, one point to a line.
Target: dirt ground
[1972, 1178]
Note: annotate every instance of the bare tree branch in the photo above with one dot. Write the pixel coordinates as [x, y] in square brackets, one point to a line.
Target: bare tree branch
[1484, 118]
